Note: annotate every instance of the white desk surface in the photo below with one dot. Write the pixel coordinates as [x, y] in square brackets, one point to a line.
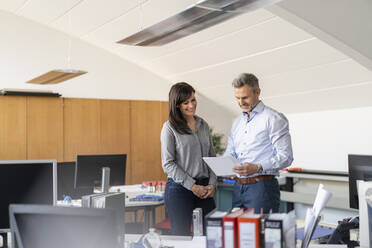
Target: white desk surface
[315, 176]
[176, 241]
[131, 191]
[200, 241]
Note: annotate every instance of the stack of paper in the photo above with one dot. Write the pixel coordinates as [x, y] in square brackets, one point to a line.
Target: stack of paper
[313, 215]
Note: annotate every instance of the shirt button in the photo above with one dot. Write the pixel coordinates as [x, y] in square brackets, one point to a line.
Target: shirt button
[241, 153]
[245, 131]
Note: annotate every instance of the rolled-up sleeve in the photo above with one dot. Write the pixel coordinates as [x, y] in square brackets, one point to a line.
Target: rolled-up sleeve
[281, 141]
[168, 157]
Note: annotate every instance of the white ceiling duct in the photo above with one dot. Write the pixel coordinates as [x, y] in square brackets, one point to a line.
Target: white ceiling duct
[199, 16]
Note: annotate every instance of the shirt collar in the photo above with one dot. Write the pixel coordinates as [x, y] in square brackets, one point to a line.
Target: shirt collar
[259, 108]
[198, 121]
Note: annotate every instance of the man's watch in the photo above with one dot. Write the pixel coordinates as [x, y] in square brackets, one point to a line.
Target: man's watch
[259, 169]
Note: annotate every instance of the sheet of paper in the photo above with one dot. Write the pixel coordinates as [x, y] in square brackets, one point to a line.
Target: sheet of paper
[222, 166]
[312, 214]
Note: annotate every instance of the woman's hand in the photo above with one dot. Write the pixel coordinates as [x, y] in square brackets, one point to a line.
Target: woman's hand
[211, 190]
[199, 191]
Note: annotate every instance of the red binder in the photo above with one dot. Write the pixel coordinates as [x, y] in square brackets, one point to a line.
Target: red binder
[249, 230]
[230, 229]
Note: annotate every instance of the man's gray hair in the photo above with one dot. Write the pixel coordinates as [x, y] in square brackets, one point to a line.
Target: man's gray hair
[246, 79]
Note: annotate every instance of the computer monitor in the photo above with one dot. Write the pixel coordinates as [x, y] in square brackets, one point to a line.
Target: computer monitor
[36, 226]
[89, 169]
[360, 168]
[26, 181]
[66, 182]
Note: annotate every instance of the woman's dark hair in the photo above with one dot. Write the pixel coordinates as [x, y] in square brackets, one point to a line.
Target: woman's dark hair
[178, 94]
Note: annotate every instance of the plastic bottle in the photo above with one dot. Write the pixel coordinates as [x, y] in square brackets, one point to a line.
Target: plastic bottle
[67, 201]
[151, 239]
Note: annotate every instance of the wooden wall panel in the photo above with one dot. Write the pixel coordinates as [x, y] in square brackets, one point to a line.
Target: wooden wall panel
[81, 127]
[45, 128]
[115, 130]
[145, 141]
[12, 127]
[164, 114]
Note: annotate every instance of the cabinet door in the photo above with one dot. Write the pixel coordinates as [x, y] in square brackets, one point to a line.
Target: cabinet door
[12, 127]
[115, 129]
[146, 125]
[44, 128]
[81, 127]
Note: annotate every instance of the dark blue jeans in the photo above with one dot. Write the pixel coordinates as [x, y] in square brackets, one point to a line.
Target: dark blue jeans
[179, 204]
[263, 194]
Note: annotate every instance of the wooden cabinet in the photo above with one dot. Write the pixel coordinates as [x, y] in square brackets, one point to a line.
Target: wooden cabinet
[12, 127]
[146, 118]
[44, 128]
[81, 127]
[115, 129]
[61, 128]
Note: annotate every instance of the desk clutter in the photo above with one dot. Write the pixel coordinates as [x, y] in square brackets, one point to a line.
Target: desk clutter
[246, 229]
[147, 197]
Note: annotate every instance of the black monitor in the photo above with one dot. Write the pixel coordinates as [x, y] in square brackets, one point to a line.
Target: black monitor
[360, 168]
[36, 226]
[26, 181]
[66, 182]
[89, 169]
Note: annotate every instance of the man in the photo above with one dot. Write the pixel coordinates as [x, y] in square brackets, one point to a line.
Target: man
[260, 140]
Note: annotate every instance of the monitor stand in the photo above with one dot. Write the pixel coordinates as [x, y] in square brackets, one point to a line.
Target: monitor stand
[105, 179]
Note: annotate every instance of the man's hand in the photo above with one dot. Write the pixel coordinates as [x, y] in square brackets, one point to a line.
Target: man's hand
[211, 190]
[199, 191]
[246, 169]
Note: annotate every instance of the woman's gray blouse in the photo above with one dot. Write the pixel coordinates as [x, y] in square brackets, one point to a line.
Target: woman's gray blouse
[181, 154]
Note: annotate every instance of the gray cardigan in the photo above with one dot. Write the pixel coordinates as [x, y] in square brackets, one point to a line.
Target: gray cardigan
[182, 154]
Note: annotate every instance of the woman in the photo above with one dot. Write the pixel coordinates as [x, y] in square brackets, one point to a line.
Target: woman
[185, 139]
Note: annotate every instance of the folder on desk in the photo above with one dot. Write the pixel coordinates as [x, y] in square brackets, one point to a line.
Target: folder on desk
[230, 229]
[249, 229]
[213, 222]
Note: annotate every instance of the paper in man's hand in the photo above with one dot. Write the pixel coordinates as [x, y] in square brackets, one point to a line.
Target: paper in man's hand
[222, 166]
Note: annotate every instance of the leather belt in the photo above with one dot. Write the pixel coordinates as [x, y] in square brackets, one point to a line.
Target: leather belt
[253, 180]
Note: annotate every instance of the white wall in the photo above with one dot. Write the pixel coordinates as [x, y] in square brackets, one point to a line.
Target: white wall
[29, 49]
[322, 140]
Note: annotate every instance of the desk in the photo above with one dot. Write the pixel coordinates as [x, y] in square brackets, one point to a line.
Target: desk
[147, 207]
[200, 241]
[132, 191]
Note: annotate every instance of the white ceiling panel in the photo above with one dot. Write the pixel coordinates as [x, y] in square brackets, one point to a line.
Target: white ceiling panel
[340, 98]
[219, 94]
[12, 5]
[337, 98]
[265, 36]
[296, 57]
[45, 11]
[142, 16]
[144, 54]
[85, 18]
[339, 74]
[298, 72]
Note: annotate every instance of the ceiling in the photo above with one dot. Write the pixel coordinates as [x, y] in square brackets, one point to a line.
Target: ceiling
[297, 72]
